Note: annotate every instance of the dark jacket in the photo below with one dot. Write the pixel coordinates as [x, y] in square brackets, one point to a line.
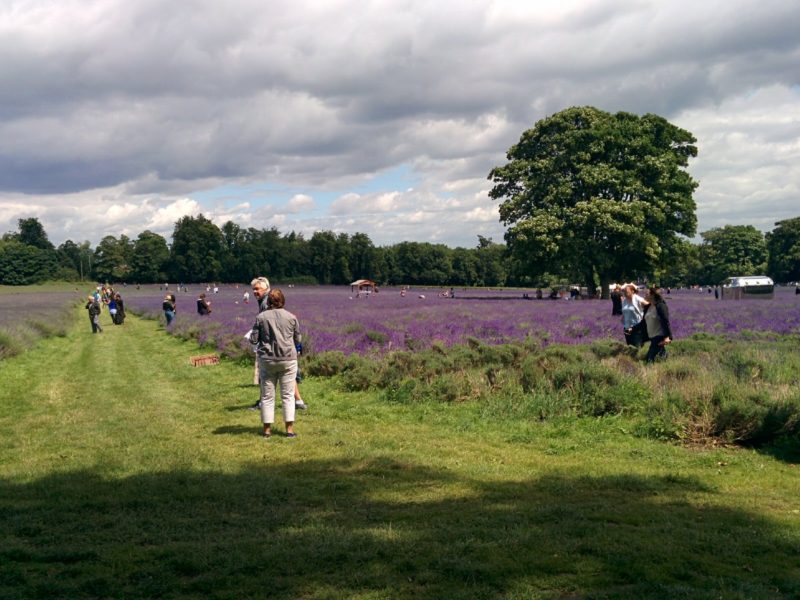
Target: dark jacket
[663, 315]
[93, 307]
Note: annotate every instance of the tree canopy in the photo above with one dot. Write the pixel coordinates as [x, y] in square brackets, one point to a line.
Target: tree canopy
[732, 250]
[596, 195]
[783, 244]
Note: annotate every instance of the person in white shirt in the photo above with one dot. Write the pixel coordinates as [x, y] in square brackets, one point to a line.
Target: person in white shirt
[632, 313]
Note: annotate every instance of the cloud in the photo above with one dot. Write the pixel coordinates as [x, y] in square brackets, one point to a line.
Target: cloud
[119, 116]
[300, 203]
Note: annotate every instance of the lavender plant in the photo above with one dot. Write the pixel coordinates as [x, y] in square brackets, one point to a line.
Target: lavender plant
[333, 318]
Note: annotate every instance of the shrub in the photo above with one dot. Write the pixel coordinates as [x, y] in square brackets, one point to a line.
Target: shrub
[9, 346]
[326, 364]
[377, 337]
[608, 348]
[402, 391]
[358, 373]
[744, 366]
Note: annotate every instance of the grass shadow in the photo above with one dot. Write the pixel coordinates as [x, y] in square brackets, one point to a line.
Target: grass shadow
[237, 430]
[382, 529]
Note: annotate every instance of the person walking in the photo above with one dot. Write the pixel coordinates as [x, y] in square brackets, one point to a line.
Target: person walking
[168, 306]
[616, 300]
[656, 318]
[93, 307]
[276, 334]
[632, 311]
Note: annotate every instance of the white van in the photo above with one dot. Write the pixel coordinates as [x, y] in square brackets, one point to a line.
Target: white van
[750, 286]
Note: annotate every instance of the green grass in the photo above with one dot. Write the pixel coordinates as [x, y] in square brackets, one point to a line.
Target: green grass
[127, 473]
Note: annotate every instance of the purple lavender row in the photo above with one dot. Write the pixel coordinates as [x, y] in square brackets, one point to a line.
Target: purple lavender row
[332, 318]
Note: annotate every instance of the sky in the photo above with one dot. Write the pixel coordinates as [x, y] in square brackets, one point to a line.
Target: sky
[379, 117]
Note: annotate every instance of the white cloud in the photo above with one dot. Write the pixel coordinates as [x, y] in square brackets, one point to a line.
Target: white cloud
[119, 116]
[300, 203]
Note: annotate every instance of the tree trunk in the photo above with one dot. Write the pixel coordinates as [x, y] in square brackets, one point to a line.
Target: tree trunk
[590, 284]
[604, 283]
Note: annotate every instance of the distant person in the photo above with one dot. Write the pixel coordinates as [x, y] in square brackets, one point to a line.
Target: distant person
[616, 300]
[716, 292]
[93, 307]
[276, 334]
[112, 308]
[659, 332]
[168, 306]
[203, 305]
[633, 306]
[120, 309]
[797, 290]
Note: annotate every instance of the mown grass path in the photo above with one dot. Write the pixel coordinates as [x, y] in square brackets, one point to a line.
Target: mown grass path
[127, 473]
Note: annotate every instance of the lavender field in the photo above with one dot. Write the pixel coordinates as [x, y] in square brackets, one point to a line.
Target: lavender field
[33, 312]
[333, 318]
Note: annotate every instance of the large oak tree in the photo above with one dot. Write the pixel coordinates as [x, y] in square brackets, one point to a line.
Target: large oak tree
[595, 195]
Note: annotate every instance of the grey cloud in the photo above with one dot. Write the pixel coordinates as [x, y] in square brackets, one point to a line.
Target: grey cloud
[169, 99]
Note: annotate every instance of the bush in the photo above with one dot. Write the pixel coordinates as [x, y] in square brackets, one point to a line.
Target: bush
[744, 366]
[325, 364]
[359, 373]
[608, 348]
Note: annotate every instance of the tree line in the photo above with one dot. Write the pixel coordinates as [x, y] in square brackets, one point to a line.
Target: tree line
[200, 251]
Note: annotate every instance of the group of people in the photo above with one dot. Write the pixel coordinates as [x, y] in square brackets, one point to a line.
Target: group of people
[643, 319]
[105, 295]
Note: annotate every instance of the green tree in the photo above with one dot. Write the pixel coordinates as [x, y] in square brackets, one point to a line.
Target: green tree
[491, 262]
[680, 264]
[149, 258]
[422, 263]
[197, 251]
[599, 194]
[732, 250]
[783, 245]
[322, 246]
[32, 233]
[465, 267]
[112, 259]
[363, 257]
[23, 264]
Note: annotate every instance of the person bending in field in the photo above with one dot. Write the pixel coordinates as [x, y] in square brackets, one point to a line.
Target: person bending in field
[203, 305]
[276, 334]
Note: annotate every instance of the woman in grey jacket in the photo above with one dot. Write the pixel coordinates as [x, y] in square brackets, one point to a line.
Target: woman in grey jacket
[276, 334]
[659, 331]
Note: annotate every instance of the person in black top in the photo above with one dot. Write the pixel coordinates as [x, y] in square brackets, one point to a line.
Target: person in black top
[659, 332]
[168, 306]
[616, 300]
[203, 305]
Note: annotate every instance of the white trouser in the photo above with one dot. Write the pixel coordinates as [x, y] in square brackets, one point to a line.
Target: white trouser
[273, 374]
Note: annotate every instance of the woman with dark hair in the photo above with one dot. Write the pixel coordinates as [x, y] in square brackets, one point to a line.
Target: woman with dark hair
[659, 332]
[120, 309]
[276, 335]
[203, 305]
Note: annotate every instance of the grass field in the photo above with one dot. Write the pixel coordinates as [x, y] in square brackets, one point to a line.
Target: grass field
[127, 473]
